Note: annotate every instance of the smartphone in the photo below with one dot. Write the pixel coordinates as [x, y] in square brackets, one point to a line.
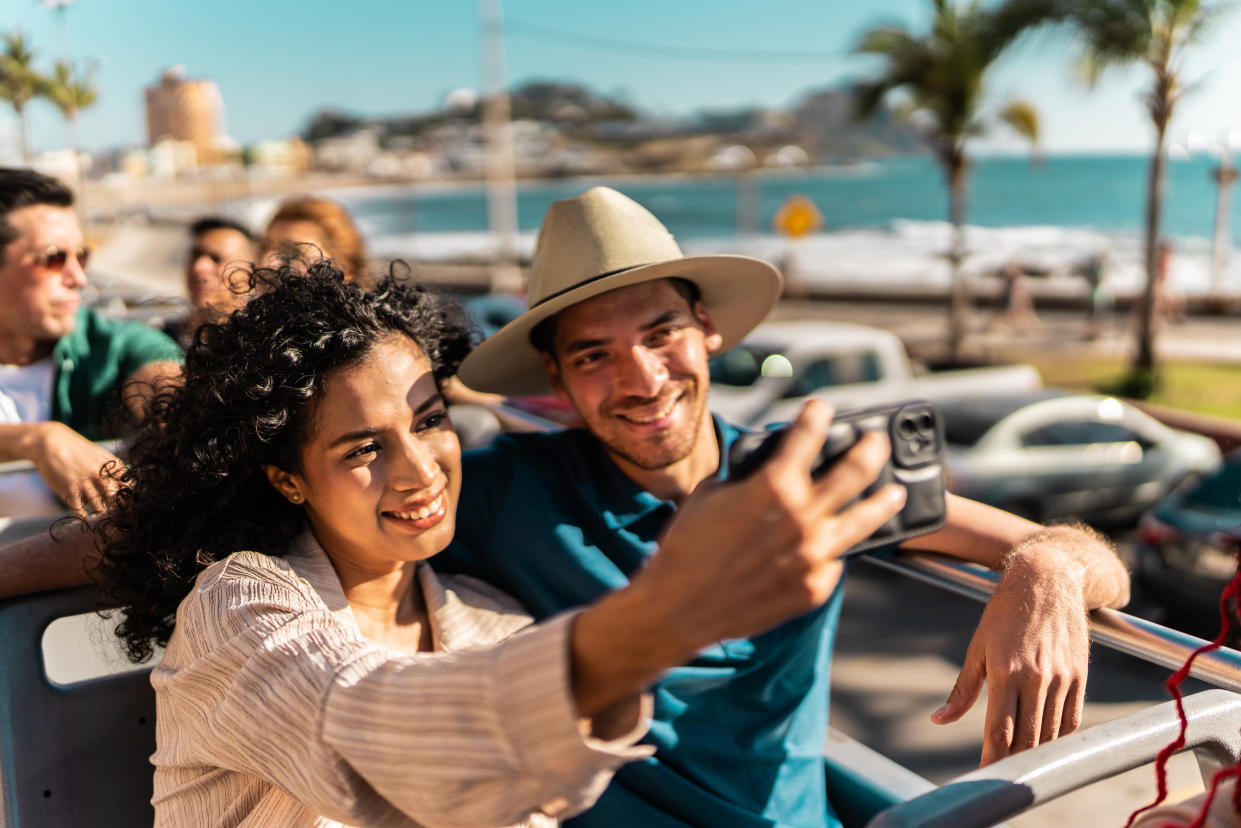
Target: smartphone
[917, 462]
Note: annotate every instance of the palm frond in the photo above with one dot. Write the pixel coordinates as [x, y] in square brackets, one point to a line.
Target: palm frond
[1011, 19]
[1022, 118]
[19, 80]
[942, 71]
[1205, 21]
[904, 62]
[69, 92]
[1115, 31]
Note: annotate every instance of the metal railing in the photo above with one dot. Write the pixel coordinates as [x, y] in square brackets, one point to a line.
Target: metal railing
[16, 466]
[1112, 628]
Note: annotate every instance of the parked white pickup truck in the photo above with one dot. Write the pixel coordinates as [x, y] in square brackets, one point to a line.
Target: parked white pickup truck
[766, 378]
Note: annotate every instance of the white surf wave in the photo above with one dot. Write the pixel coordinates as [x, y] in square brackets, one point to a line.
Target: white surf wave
[908, 253]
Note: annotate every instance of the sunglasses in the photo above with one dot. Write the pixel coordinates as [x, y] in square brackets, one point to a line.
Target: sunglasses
[55, 258]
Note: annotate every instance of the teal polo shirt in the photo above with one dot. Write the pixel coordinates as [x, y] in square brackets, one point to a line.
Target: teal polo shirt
[93, 362]
[738, 732]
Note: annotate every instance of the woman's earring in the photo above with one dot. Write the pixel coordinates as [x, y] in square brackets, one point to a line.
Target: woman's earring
[295, 497]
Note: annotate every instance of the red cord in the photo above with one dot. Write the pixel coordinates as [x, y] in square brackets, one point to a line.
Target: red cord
[1232, 591]
[1216, 781]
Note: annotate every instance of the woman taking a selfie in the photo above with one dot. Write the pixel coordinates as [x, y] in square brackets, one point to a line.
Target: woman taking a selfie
[279, 510]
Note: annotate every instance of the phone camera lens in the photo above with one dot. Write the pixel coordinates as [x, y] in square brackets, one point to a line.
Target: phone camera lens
[906, 429]
[925, 423]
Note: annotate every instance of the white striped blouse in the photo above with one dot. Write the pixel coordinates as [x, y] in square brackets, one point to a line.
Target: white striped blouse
[273, 709]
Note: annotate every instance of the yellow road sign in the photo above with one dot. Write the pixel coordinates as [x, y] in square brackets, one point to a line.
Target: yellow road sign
[797, 216]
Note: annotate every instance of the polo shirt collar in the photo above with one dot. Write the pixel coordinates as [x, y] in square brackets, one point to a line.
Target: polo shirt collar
[623, 502]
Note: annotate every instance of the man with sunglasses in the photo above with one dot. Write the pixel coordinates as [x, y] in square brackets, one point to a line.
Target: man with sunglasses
[68, 376]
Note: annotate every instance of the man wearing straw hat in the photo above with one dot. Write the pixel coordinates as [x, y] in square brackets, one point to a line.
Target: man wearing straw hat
[621, 324]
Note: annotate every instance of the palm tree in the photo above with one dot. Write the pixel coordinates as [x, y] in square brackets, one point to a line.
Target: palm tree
[1156, 34]
[71, 94]
[19, 81]
[939, 76]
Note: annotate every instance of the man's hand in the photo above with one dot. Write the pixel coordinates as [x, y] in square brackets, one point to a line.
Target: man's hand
[738, 559]
[1032, 644]
[73, 467]
[768, 548]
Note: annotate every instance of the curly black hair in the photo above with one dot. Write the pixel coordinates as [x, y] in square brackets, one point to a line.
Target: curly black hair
[194, 491]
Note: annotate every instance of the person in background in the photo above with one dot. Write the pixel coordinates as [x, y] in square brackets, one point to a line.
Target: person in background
[305, 227]
[1100, 299]
[1016, 304]
[319, 223]
[68, 376]
[1169, 302]
[216, 282]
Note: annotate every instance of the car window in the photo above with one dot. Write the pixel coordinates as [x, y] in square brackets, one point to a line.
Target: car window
[964, 426]
[1221, 489]
[842, 369]
[1081, 433]
[739, 367]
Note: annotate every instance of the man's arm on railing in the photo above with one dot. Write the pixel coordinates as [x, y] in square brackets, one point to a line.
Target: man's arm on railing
[1032, 643]
[69, 464]
[60, 558]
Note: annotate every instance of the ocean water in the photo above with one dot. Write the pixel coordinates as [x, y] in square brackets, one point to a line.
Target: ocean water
[885, 219]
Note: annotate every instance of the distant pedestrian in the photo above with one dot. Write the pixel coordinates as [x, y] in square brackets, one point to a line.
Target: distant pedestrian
[1016, 305]
[1100, 299]
[1169, 302]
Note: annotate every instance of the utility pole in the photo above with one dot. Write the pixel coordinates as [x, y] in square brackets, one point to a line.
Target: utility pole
[1224, 174]
[499, 164]
[60, 7]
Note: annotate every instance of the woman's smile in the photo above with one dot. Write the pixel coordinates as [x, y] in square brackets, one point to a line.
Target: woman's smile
[423, 516]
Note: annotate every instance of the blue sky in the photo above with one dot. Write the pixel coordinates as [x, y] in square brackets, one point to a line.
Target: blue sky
[277, 61]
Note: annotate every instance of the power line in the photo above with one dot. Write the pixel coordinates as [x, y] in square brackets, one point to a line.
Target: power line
[669, 51]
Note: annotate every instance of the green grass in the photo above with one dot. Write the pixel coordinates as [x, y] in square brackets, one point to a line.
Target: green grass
[1204, 387]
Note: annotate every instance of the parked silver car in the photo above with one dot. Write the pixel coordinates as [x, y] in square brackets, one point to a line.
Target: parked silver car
[767, 378]
[1052, 454]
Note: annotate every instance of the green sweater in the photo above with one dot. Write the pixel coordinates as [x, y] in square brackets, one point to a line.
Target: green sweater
[93, 362]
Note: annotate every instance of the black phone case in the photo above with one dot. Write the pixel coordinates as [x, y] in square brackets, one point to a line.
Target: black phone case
[917, 463]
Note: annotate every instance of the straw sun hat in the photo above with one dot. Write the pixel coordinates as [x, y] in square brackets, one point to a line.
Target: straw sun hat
[601, 241]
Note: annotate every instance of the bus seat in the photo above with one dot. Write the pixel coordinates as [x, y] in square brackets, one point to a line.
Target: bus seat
[70, 754]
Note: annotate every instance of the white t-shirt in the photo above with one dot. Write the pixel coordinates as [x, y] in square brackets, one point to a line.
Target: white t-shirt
[26, 397]
[26, 392]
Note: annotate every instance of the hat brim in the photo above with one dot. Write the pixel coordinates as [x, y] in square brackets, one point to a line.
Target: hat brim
[737, 291]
